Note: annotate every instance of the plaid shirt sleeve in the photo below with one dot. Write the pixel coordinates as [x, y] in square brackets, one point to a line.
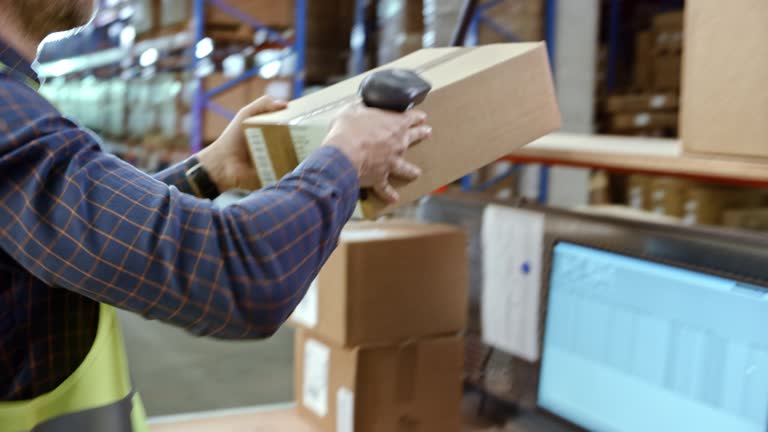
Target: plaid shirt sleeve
[175, 175]
[85, 221]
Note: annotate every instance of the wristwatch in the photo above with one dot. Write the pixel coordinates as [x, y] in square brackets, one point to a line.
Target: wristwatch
[199, 180]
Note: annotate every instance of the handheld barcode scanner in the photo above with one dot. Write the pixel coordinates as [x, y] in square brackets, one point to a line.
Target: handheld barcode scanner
[393, 90]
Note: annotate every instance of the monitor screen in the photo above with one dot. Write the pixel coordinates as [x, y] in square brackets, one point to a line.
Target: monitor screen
[632, 345]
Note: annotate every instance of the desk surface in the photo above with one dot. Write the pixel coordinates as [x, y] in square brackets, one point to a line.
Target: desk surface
[263, 419]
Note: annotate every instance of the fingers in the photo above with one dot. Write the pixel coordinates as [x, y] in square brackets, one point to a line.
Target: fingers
[418, 134]
[415, 117]
[263, 105]
[386, 192]
[405, 170]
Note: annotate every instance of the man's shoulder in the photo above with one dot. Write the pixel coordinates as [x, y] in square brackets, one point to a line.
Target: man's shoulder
[19, 96]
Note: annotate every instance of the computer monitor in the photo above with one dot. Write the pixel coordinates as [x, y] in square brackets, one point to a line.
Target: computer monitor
[631, 344]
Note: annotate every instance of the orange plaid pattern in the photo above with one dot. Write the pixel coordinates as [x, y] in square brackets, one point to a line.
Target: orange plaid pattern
[78, 227]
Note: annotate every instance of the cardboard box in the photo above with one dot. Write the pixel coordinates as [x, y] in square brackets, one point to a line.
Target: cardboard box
[667, 72]
[486, 102]
[643, 62]
[641, 102]
[752, 219]
[414, 387]
[639, 192]
[668, 196]
[389, 282]
[724, 106]
[706, 204]
[668, 20]
[643, 120]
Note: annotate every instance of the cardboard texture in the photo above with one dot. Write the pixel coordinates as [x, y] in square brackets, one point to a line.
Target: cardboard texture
[388, 282]
[486, 102]
[414, 387]
[724, 109]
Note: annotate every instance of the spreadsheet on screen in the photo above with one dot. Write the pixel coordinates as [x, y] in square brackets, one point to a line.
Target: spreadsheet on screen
[632, 345]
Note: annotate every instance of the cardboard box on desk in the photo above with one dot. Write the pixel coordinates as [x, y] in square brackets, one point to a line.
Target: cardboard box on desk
[388, 282]
[414, 387]
[486, 102]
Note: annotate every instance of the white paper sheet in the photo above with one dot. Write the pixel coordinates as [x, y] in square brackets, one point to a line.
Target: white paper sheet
[512, 272]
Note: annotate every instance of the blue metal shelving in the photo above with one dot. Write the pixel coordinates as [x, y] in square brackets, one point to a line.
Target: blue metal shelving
[202, 98]
[550, 24]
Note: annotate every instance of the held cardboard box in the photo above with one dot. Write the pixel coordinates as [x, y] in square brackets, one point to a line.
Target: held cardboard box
[388, 282]
[724, 105]
[414, 387]
[486, 101]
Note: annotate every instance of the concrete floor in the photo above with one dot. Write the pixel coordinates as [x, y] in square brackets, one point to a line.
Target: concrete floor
[178, 373]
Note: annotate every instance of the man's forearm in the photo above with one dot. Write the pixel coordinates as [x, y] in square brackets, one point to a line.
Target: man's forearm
[175, 175]
[99, 227]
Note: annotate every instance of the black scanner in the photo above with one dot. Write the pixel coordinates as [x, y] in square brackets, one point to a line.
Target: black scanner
[394, 89]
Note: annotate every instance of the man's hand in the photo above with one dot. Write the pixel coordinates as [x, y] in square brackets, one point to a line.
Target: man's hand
[227, 160]
[375, 141]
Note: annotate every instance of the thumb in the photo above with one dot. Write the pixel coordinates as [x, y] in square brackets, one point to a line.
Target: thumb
[262, 105]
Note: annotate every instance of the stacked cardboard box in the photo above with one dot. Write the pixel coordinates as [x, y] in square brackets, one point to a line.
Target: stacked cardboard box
[378, 345]
[692, 202]
[668, 48]
[651, 105]
[522, 20]
[755, 219]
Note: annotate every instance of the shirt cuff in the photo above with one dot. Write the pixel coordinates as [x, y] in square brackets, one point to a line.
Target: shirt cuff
[176, 175]
[334, 166]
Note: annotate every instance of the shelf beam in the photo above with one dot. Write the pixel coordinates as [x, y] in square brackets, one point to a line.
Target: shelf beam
[640, 155]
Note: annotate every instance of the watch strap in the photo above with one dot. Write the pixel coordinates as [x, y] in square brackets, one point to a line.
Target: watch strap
[199, 180]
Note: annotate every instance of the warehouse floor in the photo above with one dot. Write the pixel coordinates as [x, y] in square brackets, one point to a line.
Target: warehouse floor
[178, 373]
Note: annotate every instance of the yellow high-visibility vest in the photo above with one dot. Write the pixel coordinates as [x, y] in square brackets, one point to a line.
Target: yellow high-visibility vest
[97, 397]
